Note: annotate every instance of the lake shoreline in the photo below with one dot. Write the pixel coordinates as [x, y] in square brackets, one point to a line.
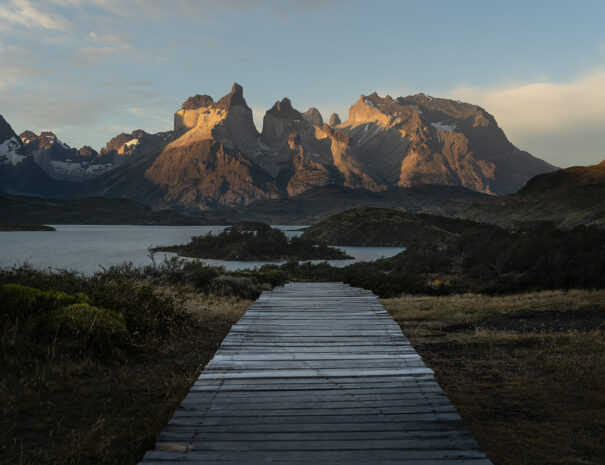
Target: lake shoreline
[89, 248]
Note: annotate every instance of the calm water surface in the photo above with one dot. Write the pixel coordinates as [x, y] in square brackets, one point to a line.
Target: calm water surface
[87, 248]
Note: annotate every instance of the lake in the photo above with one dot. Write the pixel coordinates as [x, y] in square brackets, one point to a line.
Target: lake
[86, 248]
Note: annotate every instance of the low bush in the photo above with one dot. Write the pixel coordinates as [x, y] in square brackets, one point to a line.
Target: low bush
[230, 286]
[199, 274]
[272, 276]
[148, 315]
[17, 301]
[82, 328]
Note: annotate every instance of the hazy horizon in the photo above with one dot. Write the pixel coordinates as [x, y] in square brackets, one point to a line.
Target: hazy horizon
[89, 69]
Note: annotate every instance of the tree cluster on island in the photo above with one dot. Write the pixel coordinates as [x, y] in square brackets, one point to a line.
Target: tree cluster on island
[250, 241]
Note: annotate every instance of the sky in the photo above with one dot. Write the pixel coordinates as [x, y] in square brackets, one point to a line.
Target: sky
[90, 69]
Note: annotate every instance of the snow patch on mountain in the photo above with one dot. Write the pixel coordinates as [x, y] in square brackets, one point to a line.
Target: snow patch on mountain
[68, 167]
[95, 170]
[444, 126]
[368, 101]
[9, 152]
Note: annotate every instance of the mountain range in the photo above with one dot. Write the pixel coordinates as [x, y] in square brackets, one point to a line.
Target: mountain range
[215, 158]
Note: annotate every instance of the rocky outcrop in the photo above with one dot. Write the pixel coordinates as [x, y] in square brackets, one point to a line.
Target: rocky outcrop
[229, 121]
[316, 156]
[424, 140]
[126, 148]
[205, 174]
[313, 116]
[204, 165]
[334, 120]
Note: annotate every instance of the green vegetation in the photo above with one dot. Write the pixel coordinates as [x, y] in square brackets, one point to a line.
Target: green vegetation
[524, 371]
[94, 366]
[471, 257]
[25, 227]
[566, 198]
[385, 227]
[248, 241]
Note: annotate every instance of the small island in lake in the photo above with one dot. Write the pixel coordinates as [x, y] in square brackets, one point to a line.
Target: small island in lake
[25, 227]
[251, 241]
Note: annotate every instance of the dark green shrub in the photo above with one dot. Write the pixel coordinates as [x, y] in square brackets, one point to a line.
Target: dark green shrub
[148, 316]
[83, 328]
[230, 286]
[199, 274]
[24, 301]
[17, 300]
[274, 277]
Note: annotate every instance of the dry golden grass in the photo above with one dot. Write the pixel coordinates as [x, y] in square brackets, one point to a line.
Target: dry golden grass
[526, 371]
[88, 413]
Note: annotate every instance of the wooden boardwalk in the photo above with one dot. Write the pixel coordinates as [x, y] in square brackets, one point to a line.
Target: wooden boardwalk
[316, 373]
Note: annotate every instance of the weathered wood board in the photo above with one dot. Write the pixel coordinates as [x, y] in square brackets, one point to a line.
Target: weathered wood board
[316, 373]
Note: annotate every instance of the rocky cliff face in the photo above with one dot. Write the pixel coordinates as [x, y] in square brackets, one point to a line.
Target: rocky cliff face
[215, 158]
[303, 155]
[334, 120]
[126, 148]
[313, 116]
[424, 140]
[206, 165]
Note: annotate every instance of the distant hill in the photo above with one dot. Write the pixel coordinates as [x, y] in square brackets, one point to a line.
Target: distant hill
[36, 210]
[25, 227]
[385, 227]
[567, 198]
[317, 204]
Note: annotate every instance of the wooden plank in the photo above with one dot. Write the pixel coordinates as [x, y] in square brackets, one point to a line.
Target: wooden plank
[316, 373]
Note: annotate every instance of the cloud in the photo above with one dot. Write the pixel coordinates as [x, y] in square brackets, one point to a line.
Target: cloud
[108, 38]
[158, 8]
[111, 44]
[95, 54]
[165, 121]
[535, 114]
[18, 64]
[32, 15]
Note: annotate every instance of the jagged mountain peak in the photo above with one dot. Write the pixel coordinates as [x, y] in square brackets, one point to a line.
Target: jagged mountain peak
[6, 130]
[27, 135]
[313, 116]
[283, 109]
[124, 142]
[197, 101]
[12, 151]
[45, 141]
[88, 151]
[235, 97]
[334, 120]
[228, 121]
